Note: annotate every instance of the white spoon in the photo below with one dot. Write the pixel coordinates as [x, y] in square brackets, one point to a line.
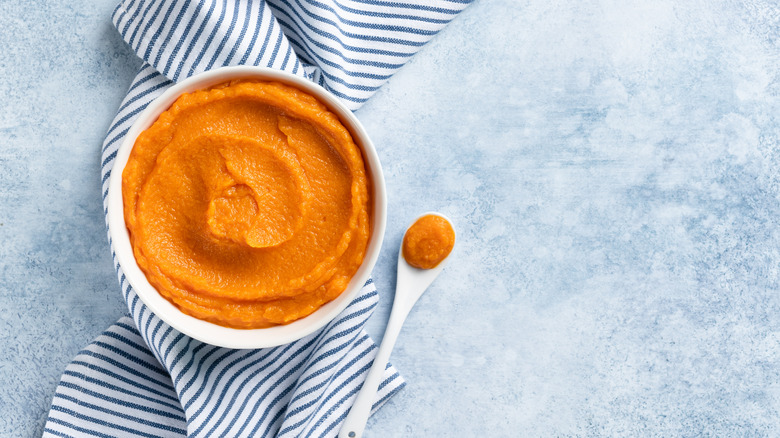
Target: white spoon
[410, 285]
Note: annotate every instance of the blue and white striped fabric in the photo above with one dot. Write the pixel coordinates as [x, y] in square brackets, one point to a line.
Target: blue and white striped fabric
[143, 378]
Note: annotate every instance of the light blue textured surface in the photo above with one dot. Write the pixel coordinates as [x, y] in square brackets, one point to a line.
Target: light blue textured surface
[612, 169]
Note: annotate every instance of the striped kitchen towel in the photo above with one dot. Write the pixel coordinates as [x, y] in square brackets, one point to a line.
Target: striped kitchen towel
[143, 378]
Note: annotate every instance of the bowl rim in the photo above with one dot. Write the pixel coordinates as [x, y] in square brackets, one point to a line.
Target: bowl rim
[205, 331]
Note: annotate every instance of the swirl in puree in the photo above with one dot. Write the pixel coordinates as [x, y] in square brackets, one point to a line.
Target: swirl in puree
[247, 204]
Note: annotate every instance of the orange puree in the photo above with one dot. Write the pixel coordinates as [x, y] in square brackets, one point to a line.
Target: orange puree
[247, 204]
[428, 241]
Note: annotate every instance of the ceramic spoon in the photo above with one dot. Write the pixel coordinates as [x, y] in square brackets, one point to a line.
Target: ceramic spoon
[410, 285]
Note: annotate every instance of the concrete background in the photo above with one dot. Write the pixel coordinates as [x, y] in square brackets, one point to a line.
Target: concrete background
[612, 169]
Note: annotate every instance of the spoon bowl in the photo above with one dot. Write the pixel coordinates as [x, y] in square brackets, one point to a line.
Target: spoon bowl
[412, 282]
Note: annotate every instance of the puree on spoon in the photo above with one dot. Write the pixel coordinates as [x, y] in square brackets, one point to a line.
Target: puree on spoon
[428, 241]
[247, 204]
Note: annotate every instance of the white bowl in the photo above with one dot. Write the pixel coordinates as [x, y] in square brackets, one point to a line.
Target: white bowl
[212, 333]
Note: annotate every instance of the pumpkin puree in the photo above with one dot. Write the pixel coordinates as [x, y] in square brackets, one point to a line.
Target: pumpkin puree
[428, 241]
[247, 204]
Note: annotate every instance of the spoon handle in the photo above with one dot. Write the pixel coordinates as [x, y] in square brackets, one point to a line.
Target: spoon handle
[356, 419]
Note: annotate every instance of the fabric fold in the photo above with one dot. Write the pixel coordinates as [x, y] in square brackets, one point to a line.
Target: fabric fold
[141, 377]
[349, 47]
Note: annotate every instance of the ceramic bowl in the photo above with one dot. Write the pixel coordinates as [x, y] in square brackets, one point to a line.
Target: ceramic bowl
[212, 333]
